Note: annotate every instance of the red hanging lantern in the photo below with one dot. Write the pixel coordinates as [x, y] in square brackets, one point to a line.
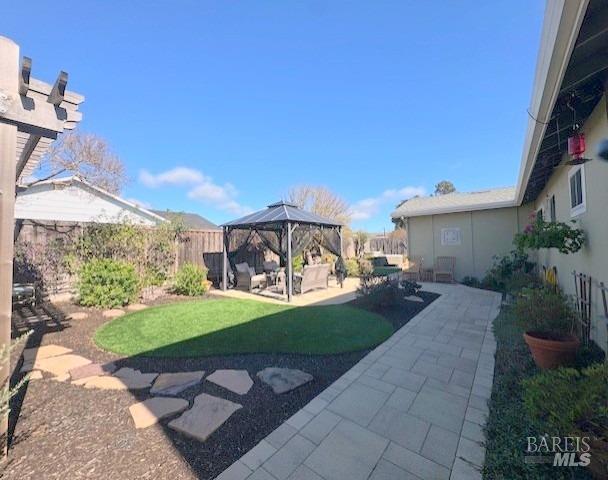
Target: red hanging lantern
[576, 148]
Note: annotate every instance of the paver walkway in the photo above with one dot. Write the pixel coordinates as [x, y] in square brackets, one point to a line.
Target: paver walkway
[413, 408]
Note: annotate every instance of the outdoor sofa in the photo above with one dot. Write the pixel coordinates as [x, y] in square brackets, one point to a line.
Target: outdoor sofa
[311, 278]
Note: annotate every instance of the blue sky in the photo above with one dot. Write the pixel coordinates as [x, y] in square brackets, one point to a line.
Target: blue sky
[219, 107]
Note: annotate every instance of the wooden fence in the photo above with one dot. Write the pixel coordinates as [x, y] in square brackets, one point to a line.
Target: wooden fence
[201, 247]
[393, 246]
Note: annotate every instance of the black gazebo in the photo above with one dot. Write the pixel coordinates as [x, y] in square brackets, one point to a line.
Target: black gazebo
[284, 229]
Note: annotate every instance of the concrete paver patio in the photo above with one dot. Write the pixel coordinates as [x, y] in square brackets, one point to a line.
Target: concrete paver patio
[413, 408]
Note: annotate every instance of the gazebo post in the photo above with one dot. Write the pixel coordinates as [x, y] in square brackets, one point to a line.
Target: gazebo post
[289, 264]
[224, 259]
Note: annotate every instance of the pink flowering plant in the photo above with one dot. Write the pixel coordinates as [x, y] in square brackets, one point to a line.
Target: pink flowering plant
[540, 234]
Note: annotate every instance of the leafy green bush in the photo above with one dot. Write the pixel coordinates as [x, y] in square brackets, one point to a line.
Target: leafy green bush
[352, 267]
[107, 283]
[190, 280]
[377, 292]
[297, 263]
[567, 401]
[504, 268]
[471, 281]
[545, 311]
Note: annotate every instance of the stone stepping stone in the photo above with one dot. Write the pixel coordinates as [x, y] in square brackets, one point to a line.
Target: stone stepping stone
[128, 373]
[174, 383]
[92, 370]
[108, 382]
[61, 365]
[136, 307]
[113, 313]
[64, 377]
[151, 411]
[284, 380]
[414, 298]
[79, 316]
[237, 381]
[207, 414]
[30, 355]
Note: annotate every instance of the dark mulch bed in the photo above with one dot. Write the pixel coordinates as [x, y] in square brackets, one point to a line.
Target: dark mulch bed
[508, 426]
[67, 431]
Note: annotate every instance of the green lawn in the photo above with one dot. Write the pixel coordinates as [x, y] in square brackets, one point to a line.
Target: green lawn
[229, 326]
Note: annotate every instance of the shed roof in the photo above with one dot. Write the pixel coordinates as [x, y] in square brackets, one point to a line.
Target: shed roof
[280, 212]
[192, 221]
[456, 202]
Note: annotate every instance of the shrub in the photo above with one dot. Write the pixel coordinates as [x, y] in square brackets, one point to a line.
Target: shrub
[107, 283]
[297, 263]
[506, 267]
[471, 281]
[567, 401]
[521, 280]
[377, 292]
[365, 266]
[352, 267]
[545, 311]
[190, 280]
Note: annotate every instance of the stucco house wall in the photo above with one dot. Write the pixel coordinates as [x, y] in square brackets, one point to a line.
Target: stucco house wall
[592, 259]
[483, 234]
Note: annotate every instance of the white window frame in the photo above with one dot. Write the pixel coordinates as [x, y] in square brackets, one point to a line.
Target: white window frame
[581, 207]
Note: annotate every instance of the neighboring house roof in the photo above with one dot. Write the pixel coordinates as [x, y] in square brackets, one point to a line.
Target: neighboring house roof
[456, 202]
[282, 212]
[72, 199]
[192, 221]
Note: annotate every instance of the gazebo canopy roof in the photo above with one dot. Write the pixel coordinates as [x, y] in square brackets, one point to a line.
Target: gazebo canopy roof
[281, 212]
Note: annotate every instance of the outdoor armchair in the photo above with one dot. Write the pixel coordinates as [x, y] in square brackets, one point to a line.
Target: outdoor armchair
[247, 279]
[444, 269]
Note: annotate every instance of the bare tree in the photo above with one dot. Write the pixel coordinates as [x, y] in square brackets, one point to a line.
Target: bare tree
[320, 200]
[443, 187]
[87, 156]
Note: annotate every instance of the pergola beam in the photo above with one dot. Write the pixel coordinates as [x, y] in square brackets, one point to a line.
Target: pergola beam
[24, 77]
[58, 92]
[26, 153]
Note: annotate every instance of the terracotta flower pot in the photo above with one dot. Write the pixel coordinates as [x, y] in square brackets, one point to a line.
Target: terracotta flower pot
[552, 353]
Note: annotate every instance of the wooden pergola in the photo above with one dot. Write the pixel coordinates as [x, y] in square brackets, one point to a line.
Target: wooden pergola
[32, 114]
[276, 225]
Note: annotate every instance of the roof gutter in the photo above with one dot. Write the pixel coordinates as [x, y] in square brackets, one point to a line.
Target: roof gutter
[563, 20]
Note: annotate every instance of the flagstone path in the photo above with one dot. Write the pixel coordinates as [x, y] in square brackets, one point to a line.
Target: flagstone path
[413, 408]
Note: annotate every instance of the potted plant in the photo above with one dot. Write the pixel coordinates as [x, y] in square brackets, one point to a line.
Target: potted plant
[549, 320]
[540, 234]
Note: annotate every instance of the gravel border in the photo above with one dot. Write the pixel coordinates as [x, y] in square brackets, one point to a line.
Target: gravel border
[67, 431]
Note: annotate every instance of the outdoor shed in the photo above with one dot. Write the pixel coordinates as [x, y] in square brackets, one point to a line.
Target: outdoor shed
[472, 227]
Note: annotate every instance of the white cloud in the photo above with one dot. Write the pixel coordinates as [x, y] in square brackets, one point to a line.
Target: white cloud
[368, 207]
[220, 196]
[203, 188]
[175, 176]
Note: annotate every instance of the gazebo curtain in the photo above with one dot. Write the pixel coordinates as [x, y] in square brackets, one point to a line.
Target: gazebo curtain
[276, 242]
[238, 239]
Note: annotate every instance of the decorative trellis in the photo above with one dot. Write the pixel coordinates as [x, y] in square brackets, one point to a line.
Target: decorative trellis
[582, 288]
